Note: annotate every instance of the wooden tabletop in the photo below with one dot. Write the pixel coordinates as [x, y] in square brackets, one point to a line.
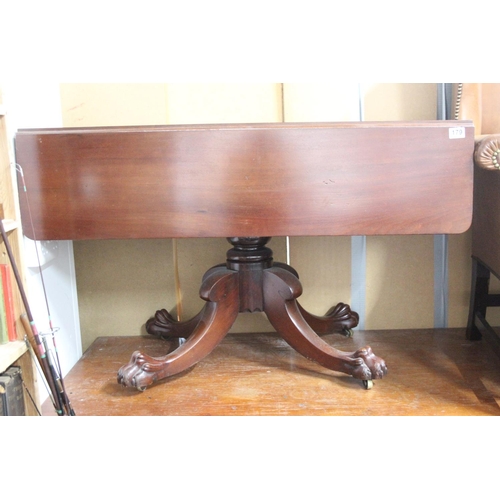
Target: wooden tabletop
[354, 178]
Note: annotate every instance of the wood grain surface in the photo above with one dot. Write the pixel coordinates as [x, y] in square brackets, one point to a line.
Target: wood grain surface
[247, 180]
[431, 372]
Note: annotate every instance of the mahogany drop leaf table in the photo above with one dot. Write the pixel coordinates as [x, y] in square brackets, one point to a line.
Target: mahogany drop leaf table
[248, 183]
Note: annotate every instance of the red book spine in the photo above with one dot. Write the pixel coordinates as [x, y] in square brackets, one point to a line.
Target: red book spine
[9, 301]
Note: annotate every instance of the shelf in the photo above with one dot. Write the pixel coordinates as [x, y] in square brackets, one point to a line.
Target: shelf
[9, 225]
[10, 353]
[14, 353]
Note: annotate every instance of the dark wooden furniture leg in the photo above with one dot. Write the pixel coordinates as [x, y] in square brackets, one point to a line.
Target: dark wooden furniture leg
[281, 288]
[249, 282]
[220, 290]
[478, 300]
[338, 319]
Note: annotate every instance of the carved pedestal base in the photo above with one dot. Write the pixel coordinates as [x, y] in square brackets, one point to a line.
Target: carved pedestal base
[250, 281]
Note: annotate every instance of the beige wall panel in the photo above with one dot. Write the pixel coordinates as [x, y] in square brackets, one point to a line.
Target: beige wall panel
[310, 102]
[399, 101]
[399, 269]
[120, 284]
[195, 257]
[224, 103]
[459, 278]
[323, 263]
[399, 282]
[108, 104]
[324, 267]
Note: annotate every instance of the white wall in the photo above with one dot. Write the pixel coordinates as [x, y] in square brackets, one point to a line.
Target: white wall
[34, 105]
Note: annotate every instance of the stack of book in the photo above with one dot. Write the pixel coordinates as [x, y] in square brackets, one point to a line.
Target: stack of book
[11, 393]
[7, 317]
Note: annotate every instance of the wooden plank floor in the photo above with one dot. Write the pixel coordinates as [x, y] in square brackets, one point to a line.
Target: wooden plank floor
[431, 372]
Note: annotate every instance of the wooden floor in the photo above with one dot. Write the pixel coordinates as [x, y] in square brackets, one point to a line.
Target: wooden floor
[431, 372]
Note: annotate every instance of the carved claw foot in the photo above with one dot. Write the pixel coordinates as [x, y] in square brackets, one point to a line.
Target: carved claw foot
[205, 331]
[161, 324]
[165, 326]
[339, 318]
[365, 365]
[343, 318]
[140, 372]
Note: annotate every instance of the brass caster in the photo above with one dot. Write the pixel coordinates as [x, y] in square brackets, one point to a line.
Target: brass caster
[367, 384]
[347, 332]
